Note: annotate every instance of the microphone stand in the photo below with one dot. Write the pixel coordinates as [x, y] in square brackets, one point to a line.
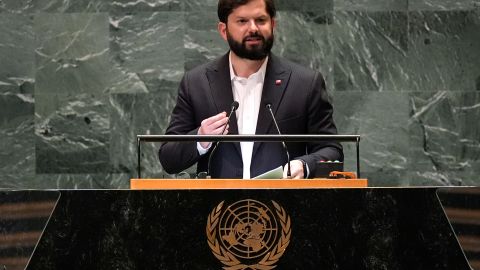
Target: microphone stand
[269, 108]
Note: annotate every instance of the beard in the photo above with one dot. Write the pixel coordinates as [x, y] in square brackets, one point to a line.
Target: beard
[256, 52]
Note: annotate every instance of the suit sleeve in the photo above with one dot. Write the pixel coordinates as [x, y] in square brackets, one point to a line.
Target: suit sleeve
[178, 156]
[320, 121]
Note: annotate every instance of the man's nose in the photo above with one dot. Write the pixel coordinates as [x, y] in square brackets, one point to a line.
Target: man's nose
[252, 27]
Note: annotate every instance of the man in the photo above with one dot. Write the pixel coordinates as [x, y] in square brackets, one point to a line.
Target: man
[254, 77]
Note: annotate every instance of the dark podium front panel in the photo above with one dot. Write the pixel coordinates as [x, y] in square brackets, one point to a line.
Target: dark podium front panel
[249, 229]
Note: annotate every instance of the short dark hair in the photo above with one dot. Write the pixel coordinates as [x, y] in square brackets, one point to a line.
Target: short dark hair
[226, 7]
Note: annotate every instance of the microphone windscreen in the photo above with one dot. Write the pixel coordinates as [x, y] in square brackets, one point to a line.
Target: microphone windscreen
[235, 105]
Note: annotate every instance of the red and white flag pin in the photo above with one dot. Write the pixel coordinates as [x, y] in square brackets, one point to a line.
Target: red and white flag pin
[278, 82]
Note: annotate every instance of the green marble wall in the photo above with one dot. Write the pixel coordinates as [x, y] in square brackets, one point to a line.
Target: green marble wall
[79, 79]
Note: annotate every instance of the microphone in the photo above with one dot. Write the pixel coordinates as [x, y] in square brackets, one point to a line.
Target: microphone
[269, 108]
[233, 108]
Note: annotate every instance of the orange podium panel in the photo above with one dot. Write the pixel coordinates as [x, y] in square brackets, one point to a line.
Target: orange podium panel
[246, 184]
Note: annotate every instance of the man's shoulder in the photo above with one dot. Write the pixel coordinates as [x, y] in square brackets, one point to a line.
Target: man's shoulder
[201, 68]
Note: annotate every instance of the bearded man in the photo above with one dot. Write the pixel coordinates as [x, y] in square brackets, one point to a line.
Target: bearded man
[254, 77]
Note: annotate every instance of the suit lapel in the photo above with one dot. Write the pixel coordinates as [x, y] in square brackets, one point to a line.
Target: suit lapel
[276, 81]
[218, 75]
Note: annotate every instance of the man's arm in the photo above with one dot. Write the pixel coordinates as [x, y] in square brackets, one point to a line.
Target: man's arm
[320, 121]
[178, 156]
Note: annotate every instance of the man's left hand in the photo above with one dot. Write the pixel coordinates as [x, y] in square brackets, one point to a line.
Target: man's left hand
[296, 169]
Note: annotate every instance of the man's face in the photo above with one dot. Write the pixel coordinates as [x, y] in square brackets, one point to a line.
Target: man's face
[249, 30]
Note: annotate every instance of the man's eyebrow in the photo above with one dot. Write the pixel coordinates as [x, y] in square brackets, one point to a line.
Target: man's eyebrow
[263, 17]
[237, 17]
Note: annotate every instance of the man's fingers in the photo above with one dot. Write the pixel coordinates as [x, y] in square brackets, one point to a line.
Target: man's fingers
[211, 124]
[219, 130]
[209, 121]
[219, 123]
[296, 167]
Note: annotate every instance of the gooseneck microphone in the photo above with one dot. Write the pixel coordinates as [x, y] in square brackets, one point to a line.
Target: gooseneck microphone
[269, 108]
[233, 108]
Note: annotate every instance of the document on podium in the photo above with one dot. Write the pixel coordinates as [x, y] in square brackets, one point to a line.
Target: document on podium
[276, 173]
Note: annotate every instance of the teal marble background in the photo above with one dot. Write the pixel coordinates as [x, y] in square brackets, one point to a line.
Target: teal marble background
[79, 79]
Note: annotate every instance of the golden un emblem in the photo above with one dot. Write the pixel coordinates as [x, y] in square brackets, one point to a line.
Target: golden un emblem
[248, 234]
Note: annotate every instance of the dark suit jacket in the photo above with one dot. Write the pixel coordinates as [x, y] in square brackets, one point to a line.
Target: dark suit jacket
[300, 104]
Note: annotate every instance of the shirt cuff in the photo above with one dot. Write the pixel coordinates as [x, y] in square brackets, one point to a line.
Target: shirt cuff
[201, 150]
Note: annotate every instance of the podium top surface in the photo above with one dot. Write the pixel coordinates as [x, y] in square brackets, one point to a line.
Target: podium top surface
[246, 184]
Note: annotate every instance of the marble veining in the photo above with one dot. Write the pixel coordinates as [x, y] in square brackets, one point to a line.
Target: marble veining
[17, 157]
[80, 79]
[74, 137]
[149, 45]
[17, 39]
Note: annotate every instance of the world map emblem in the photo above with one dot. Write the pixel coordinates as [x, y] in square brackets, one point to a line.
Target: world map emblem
[248, 234]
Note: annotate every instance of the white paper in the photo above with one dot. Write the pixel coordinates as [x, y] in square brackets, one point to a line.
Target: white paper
[276, 173]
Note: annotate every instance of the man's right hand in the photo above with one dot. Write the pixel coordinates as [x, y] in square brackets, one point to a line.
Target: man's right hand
[213, 126]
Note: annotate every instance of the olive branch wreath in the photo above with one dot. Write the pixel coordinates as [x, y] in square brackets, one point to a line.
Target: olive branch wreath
[230, 261]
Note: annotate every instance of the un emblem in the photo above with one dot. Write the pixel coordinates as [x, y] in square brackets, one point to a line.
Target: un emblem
[248, 234]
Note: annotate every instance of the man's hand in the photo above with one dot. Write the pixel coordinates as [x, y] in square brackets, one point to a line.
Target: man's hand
[213, 126]
[296, 169]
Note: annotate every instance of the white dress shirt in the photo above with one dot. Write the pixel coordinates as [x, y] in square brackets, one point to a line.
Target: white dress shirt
[248, 93]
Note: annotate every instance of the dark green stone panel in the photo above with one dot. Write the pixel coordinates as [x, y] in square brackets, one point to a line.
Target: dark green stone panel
[371, 5]
[72, 134]
[302, 39]
[382, 121]
[17, 58]
[72, 53]
[412, 139]
[202, 41]
[445, 142]
[370, 50]
[200, 5]
[146, 5]
[149, 48]
[316, 6]
[17, 157]
[78, 6]
[443, 5]
[443, 51]
[54, 6]
[415, 51]
[134, 114]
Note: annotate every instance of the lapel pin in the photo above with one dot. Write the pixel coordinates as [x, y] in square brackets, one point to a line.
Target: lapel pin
[278, 82]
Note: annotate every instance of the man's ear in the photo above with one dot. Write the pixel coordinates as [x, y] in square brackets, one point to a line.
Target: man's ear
[222, 30]
[274, 23]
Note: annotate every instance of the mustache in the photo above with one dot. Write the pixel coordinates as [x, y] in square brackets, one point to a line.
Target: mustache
[254, 36]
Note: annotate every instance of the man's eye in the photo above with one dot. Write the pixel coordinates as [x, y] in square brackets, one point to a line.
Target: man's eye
[242, 21]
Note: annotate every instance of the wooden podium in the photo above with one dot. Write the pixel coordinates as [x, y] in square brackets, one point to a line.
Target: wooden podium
[182, 184]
